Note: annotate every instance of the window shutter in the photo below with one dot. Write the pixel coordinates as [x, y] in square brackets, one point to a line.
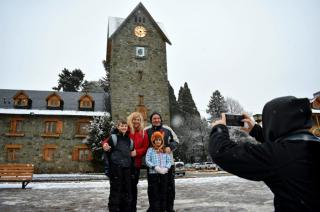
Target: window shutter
[12, 126]
[90, 155]
[75, 154]
[45, 153]
[59, 127]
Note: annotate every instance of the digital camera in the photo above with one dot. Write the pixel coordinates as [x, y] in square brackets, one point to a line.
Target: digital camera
[234, 120]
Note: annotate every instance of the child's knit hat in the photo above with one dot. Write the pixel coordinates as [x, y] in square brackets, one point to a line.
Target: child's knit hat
[155, 136]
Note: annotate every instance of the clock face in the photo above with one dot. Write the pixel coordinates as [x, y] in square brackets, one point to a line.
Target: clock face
[140, 31]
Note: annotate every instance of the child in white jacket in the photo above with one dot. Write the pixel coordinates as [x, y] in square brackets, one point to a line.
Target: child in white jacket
[159, 163]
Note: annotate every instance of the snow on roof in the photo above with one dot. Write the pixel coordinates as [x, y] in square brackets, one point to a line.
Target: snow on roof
[161, 25]
[114, 23]
[52, 112]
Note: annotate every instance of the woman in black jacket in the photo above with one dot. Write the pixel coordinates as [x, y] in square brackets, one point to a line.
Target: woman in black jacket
[287, 159]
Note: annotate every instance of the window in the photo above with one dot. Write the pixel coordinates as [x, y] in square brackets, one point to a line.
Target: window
[86, 102]
[82, 128]
[81, 153]
[49, 151]
[52, 128]
[21, 100]
[12, 151]
[140, 52]
[16, 127]
[54, 101]
[84, 154]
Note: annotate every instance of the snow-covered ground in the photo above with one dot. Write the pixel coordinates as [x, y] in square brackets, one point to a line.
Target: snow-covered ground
[224, 193]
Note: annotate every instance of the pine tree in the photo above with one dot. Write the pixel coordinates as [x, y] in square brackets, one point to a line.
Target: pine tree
[106, 80]
[216, 105]
[99, 130]
[186, 102]
[175, 111]
[69, 81]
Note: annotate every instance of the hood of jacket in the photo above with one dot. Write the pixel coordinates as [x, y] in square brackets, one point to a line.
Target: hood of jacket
[284, 115]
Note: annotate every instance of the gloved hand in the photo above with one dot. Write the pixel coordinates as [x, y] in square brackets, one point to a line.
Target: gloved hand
[163, 171]
[158, 169]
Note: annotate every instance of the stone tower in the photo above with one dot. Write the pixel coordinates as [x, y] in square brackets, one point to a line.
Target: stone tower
[137, 63]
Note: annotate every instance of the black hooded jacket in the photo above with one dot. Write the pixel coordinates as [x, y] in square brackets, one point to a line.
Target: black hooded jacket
[287, 159]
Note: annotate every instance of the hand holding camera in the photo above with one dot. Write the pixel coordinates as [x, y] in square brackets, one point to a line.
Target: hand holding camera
[234, 120]
[244, 121]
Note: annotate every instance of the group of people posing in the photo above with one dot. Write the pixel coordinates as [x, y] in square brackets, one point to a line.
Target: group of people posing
[129, 144]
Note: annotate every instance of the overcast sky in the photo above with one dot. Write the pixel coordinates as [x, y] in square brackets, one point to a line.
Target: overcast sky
[250, 50]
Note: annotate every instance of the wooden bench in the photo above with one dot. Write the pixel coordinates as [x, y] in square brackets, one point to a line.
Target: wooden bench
[16, 172]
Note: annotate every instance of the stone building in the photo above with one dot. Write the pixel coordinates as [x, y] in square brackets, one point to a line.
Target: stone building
[136, 59]
[47, 129]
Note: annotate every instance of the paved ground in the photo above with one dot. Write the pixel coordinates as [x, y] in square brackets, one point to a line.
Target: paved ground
[201, 194]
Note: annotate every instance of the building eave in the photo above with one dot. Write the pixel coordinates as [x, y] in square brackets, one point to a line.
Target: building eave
[52, 112]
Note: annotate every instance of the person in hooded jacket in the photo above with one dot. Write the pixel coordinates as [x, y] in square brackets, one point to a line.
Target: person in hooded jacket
[171, 142]
[287, 159]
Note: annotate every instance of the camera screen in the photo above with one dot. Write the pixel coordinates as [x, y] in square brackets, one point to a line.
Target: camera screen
[234, 120]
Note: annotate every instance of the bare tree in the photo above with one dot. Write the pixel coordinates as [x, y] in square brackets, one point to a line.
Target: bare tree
[193, 135]
[233, 106]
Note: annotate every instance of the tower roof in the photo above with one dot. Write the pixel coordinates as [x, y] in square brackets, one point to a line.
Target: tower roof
[116, 23]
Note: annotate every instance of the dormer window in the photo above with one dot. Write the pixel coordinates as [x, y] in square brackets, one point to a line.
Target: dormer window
[21, 100]
[54, 102]
[86, 103]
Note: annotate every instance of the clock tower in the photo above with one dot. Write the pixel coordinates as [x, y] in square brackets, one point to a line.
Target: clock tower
[137, 63]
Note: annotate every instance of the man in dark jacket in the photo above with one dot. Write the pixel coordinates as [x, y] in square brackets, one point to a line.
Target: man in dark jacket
[287, 159]
[171, 142]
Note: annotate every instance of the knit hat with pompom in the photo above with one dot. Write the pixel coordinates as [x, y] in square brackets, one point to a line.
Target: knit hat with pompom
[155, 136]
